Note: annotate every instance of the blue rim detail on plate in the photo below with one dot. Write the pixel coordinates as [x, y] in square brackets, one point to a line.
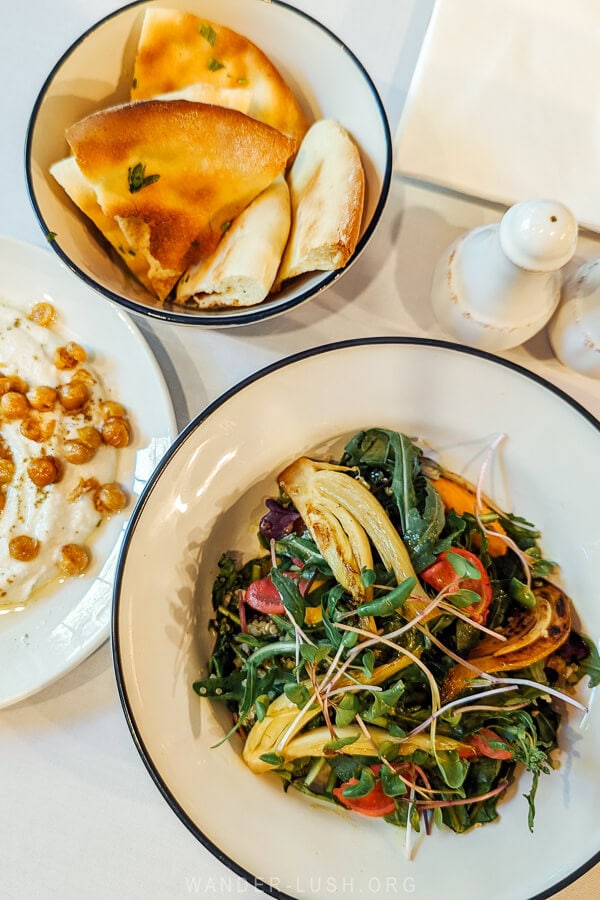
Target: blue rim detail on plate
[180, 440]
[261, 311]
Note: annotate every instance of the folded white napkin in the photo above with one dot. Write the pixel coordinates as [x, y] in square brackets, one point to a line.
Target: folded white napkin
[504, 104]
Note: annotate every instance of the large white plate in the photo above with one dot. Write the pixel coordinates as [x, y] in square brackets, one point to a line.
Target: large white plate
[69, 621]
[208, 494]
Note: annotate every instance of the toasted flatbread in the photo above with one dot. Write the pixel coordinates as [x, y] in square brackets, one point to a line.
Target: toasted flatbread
[178, 49]
[242, 269]
[68, 174]
[174, 174]
[327, 187]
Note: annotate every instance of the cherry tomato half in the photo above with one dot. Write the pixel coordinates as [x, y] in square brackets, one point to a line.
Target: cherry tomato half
[480, 745]
[441, 573]
[263, 596]
[374, 804]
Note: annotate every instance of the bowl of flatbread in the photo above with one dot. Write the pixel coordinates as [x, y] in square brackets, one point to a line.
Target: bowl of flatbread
[208, 162]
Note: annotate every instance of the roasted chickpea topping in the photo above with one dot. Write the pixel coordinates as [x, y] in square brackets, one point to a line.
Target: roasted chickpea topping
[73, 395]
[2, 500]
[84, 486]
[5, 451]
[12, 383]
[115, 431]
[110, 498]
[7, 471]
[69, 356]
[73, 560]
[34, 429]
[77, 452]
[42, 398]
[42, 314]
[111, 408]
[90, 436]
[23, 548]
[14, 405]
[82, 374]
[44, 470]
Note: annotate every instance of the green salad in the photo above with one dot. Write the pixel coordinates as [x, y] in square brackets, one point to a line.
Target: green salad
[397, 647]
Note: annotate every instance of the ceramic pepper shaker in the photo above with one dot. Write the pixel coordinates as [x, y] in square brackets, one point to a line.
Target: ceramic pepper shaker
[574, 330]
[498, 285]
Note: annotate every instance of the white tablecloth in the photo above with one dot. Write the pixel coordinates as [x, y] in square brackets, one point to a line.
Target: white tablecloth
[79, 815]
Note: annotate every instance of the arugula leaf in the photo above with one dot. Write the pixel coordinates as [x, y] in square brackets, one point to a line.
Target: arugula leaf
[304, 549]
[416, 502]
[291, 597]
[591, 665]
[334, 635]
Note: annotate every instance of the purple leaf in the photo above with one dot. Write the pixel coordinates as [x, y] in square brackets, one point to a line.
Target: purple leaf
[280, 521]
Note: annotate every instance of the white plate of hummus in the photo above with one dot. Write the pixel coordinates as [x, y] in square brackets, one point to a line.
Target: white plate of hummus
[85, 416]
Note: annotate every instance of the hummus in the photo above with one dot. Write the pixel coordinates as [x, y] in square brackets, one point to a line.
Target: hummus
[42, 516]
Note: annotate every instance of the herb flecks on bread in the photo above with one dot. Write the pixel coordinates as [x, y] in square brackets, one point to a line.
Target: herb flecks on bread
[179, 52]
[200, 166]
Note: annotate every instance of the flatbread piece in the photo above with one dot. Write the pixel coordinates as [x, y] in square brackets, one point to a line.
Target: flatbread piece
[177, 50]
[174, 174]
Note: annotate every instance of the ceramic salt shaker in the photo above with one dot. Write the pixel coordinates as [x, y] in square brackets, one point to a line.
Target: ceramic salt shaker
[574, 330]
[498, 285]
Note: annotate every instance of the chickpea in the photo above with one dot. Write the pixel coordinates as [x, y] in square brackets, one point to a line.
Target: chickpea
[110, 498]
[2, 500]
[73, 560]
[44, 470]
[42, 398]
[34, 430]
[83, 486]
[84, 375]
[12, 383]
[111, 408]
[7, 471]
[90, 436]
[73, 395]
[42, 314]
[115, 431]
[23, 548]
[5, 451]
[77, 452]
[14, 405]
[68, 356]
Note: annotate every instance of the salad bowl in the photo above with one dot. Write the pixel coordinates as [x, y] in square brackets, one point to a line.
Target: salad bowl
[208, 495]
